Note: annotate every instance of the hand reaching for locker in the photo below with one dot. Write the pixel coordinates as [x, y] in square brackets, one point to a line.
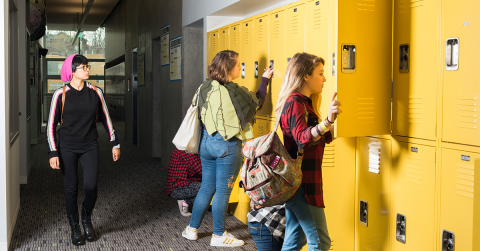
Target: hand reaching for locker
[268, 73]
[334, 108]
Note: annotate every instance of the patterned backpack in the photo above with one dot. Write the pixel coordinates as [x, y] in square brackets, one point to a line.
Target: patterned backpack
[269, 174]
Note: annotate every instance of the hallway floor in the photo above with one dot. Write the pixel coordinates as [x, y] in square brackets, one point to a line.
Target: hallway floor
[132, 212]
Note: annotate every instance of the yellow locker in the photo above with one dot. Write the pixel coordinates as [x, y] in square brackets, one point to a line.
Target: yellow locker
[338, 171]
[246, 56]
[458, 197]
[277, 55]
[235, 45]
[224, 38]
[461, 91]
[260, 56]
[364, 50]
[373, 194]
[261, 126]
[295, 28]
[214, 45]
[413, 217]
[415, 64]
[318, 30]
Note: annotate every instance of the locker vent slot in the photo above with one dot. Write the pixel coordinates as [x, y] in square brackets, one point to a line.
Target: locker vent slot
[295, 23]
[416, 3]
[415, 110]
[246, 34]
[366, 5]
[365, 110]
[261, 31]
[234, 39]
[467, 112]
[465, 181]
[276, 28]
[414, 168]
[374, 157]
[317, 18]
[329, 156]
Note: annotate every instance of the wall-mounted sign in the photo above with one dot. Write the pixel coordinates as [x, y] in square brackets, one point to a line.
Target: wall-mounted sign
[164, 46]
[176, 59]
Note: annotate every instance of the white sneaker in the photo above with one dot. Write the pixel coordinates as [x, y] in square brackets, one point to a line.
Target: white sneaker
[190, 233]
[227, 240]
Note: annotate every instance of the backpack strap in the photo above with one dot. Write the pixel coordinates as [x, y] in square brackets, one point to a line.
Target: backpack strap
[63, 103]
[96, 113]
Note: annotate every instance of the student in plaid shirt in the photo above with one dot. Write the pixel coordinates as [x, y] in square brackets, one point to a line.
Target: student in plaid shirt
[302, 87]
[184, 178]
[267, 227]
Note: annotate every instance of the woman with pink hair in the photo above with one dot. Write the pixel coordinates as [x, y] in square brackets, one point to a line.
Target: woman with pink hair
[77, 106]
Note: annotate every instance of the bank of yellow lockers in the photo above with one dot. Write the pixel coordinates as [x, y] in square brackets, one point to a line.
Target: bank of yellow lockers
[415, 68]
[459, 188]
[373, 194]
[461, 91]
[412, 220]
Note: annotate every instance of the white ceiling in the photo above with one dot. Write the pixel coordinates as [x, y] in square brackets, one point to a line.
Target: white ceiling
[61, 14]
[244, 8]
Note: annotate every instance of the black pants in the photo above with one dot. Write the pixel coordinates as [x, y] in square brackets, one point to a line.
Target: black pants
[69, 154]
[187, 193]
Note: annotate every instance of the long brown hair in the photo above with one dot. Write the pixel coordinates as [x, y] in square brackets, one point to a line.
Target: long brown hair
[300, 65]
[221, 65]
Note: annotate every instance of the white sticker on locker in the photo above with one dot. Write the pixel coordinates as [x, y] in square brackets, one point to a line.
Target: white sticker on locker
[374, 157]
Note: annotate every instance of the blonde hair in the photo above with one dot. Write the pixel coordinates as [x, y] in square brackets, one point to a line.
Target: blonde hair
[300, 65]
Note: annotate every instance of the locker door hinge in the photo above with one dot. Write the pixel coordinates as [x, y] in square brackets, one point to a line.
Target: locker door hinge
[435, 130]
[391, 126]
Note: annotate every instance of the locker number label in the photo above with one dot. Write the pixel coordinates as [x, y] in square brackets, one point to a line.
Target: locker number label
[465, 158]
[414, 149]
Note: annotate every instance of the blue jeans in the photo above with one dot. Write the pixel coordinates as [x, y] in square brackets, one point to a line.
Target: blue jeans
[305, 224]
[263, 238]
[221, 163]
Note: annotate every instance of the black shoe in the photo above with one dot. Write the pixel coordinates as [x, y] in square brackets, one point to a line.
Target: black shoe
[77, 238]
[87, 225]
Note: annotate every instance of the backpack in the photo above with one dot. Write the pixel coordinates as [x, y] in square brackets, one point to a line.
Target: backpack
[63, 104]
[269, 175]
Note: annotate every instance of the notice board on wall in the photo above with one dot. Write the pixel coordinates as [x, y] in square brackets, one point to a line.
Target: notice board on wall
[176, 59]
[141, 69]
[164, 45]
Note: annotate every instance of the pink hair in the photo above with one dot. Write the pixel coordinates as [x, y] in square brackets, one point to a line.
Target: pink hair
[67, 72]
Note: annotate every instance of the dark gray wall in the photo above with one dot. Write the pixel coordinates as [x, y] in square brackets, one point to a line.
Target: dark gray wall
[162, 103]
[115, 32]
[131, 42]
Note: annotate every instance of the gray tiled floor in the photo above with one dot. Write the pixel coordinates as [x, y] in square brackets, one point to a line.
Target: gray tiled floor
[132, 211]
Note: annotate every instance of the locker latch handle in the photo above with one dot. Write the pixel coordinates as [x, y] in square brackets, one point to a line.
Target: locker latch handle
[404, 57]
[401, 228]
[452, 54]
[333, 64]
[256, 69]
[364, 213]
[349, 58]
[243, 70]
[448, 241]
[272, 66]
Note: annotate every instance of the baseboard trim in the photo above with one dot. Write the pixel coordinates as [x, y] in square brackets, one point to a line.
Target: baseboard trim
[12, 227]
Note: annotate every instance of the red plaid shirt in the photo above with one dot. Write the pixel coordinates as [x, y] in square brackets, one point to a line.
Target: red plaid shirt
[183, 169]
[296, 133]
